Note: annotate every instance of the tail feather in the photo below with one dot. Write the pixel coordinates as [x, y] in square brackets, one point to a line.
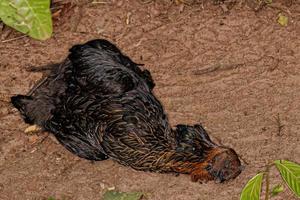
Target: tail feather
[20, 102]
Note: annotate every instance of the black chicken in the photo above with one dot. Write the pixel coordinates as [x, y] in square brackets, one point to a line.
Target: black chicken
[99, 104]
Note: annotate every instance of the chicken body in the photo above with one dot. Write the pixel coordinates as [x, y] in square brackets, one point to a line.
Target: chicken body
[99, 104]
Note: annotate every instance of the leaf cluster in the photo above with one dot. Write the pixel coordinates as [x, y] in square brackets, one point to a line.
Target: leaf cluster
[290, 173]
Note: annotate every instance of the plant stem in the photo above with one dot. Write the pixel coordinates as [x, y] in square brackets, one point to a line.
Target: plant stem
[267, 182]
[267, 172]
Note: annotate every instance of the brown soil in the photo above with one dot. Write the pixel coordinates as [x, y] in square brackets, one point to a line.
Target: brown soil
[238, 73]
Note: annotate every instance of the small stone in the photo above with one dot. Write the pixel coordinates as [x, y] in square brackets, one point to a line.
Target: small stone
[111, 188]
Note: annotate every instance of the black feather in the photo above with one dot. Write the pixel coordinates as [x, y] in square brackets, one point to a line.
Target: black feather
[98, 103]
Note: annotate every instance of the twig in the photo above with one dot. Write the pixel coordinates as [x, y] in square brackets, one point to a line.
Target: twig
[145, 1]
[218, 66]
[44, 138]
[128, 18]
[13, 39]
[39, 84]
[42, 68]
[279, 125]
[100, 2]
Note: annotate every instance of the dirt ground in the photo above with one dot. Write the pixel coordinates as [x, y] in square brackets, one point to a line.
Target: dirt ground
[237, 73]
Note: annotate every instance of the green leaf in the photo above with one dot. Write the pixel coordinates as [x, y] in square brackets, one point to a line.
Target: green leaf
[252, 189]
[290, 172]
[282, 20]
[276, 190]
[115, 195]
[32, 17]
